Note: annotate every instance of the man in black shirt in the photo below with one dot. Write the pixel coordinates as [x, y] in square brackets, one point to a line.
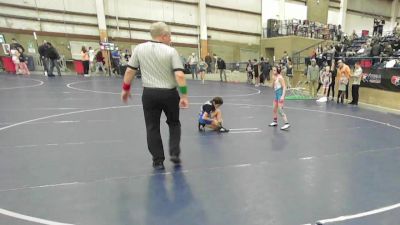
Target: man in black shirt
[208, 60]
[222, 67]
[211, 115]
[43, 56]
[53, 57]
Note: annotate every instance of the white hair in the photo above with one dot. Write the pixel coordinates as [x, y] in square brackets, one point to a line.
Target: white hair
[158, 29]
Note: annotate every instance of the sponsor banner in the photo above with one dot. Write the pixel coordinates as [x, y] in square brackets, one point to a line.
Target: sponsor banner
[384, 79]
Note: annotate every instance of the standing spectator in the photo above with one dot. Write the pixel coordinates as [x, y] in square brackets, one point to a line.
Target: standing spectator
[208, 60]
[289, 73]
[162, 73]
[100, 62]
[343, 71]
[256, 69]
[115, 61]
[326, 78]
[343, 82]
[285, 57]
[249, 69]
[313, 77]
[192, 60]
[333, 80]
[43, 57]
[54, 57]
[376, 25]
[356, 83]
[222, 67]
[85, 61]
[376, 52]
[91, 59]
[202, 67]
[215, 61]
[266, 70]
[396, 30]
[262, 75]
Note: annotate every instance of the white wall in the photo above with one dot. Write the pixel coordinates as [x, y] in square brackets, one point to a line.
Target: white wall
[379, 7]
[247, 5]
[153, 10]
[333, 16]
[293, 10]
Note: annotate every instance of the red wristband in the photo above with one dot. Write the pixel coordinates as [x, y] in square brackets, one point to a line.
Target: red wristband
[126, 87]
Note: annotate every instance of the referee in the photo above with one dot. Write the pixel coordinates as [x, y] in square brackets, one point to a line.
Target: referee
[162, 73]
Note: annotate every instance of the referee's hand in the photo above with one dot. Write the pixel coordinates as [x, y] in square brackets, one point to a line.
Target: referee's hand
[125, 95]
[184, 103]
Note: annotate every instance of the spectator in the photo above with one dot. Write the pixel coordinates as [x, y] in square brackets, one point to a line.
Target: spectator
[17, 53]
[91, 59]
[215, 61]
[202, 67]
[100, 62]
[396, 30]
[16, 45]
[249, 69]
[313, 77]
[15, 58]
[256, 73]
[333, 80]
[354, 35]
[289, 73]
[192, 60]
[208, 60]
[23, 62]
[265, 69]
[387, 51]
[115, 62]
[85, 61]
[343, 71]
[54, 58]
[356, 83]
[43, 57]
[326, 78]
[222, 67]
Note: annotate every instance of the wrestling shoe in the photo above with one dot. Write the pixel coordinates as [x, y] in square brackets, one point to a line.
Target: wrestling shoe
[201, 127]
[273, 124]
[223, 130]
[285, 127]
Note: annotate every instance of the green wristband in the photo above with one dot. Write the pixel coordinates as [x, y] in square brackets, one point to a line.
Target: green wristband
[183, 90]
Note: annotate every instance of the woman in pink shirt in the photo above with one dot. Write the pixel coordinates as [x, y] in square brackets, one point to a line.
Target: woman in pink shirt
[85, 61]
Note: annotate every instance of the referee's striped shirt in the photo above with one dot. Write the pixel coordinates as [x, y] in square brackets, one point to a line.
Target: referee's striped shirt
[157, 62]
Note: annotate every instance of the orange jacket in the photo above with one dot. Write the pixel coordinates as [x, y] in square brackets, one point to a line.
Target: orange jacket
[344, 70]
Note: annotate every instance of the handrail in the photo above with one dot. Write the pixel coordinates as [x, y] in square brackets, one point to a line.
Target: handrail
[314, 45]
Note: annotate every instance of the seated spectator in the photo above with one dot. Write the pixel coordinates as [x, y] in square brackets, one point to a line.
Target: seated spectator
[387, 51]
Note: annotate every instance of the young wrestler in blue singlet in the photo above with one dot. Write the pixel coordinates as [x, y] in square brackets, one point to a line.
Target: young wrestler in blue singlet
[279, 98]
[211, 115]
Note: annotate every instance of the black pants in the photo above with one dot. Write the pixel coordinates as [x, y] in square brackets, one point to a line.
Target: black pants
[155, 101]
[85, 67]
[319, 86]
[354, 93]
[347, 91]
[340, 96]
[332, 88]
[54, 63]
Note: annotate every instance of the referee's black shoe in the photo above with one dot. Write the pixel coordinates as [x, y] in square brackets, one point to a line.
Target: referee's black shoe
[175, 159]
[158, 165]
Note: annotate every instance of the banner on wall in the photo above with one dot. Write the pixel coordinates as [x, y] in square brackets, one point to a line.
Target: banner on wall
[384, 79]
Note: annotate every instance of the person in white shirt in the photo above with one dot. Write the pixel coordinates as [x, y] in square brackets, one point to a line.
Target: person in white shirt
[356, 77]
[91, 59]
